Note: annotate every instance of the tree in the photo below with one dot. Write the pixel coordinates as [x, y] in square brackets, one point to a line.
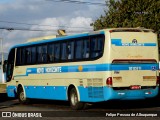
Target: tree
[130, 13]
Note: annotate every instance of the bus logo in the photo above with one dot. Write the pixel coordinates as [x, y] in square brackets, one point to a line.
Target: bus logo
[134, 41]
[80, 68]
[153, 68]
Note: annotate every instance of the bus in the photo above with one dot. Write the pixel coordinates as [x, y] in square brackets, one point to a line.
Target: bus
[109, 64]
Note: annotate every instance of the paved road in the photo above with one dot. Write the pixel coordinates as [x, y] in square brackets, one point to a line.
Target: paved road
[54, 109]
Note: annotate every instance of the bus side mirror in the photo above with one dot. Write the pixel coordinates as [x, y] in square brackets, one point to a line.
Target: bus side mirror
[5, 66]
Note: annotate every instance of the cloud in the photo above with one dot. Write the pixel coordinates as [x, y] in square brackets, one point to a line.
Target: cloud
[56, 15]
[77, 24]
[47, 24]
[80, 24]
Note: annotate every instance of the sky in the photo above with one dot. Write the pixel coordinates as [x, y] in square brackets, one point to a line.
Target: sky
[45, 15]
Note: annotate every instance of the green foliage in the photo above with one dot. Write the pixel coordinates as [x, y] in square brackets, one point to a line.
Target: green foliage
[130, 13]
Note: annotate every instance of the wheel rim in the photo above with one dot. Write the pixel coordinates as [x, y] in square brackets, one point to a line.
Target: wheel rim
[22, 96]
[74, 99]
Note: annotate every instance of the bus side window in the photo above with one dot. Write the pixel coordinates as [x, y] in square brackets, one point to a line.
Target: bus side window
[64, 51]
[57, 52]
[100, 45]
[78, 47]
[42, 53]
[10, 65]
[86, 48]
[18, 57]
[28, 55]
[51, 53]
[39, 54]
[33, 55]
[71, 50]
[23, 56]
[96, 47]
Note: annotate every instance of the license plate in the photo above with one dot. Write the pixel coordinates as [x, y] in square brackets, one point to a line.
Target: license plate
[135, 87]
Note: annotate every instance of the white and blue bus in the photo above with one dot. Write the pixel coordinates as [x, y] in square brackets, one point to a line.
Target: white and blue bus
[119, 63]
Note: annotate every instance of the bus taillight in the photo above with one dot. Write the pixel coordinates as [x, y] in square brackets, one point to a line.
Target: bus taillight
[157, 80]
[109, 81]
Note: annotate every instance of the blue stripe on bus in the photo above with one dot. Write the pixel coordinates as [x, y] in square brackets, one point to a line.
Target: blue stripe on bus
[87, 94]
[41, 92]
[46, 92]
[118, 42]
[89, 68]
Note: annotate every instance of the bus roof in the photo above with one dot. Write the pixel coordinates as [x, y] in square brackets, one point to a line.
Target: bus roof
[85, 34]
[60, 38]
[138, 29]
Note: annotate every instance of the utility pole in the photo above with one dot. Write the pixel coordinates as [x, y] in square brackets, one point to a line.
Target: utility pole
[2, 61]
[3, 84]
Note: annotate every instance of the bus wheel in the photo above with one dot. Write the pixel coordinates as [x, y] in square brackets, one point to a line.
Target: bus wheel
[75, 104]
[21, 96]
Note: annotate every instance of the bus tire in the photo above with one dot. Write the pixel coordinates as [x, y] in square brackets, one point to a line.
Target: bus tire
[21, 97]
[73, 98]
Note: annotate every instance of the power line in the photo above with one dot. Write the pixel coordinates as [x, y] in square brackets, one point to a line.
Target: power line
[30, 24]
[78, 2]
[26, 23]
[24, 29]
[36, 30]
